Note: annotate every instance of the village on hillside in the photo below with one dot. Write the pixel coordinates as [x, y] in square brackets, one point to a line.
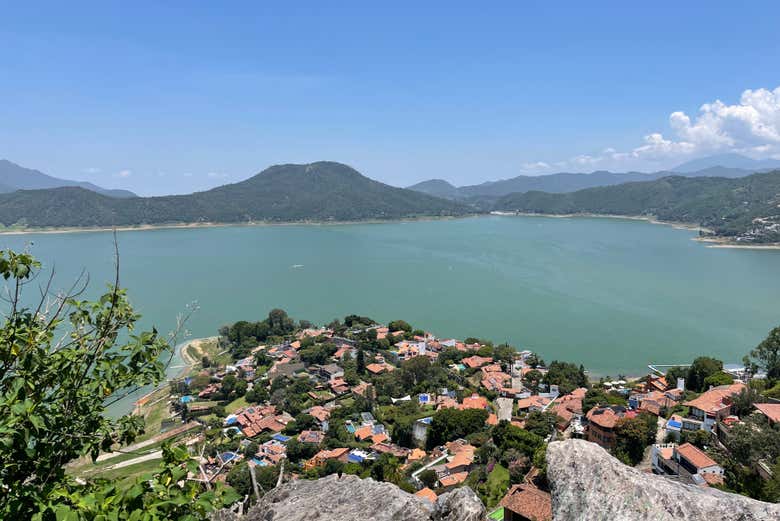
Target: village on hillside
[276, 400]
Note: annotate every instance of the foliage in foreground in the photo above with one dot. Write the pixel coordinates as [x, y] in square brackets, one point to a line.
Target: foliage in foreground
[62, 363]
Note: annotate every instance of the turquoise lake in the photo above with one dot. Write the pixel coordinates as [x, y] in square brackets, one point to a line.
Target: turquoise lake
[611, 294]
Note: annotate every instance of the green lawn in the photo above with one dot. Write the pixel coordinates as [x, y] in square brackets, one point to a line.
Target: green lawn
[236, 405]
[497, 485]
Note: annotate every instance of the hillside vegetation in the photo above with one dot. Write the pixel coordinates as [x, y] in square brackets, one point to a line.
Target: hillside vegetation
[745, 209]
[323, 191]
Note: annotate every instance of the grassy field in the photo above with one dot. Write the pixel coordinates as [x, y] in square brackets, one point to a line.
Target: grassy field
[497, 485]
[236, 405]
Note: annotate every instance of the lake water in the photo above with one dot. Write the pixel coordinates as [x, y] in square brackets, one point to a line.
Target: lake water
[611, 294]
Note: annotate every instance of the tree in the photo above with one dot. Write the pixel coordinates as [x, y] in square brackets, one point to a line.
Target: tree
[700, 369]
[62, 363]
[767, 354]
[360, 362]
[428, 478]
[399, 325]
[633, 435]
[566, 376]
[507, 436]
[250, 450]
[719, 378]
[675, 373]
[541, 423]
[532, 379]
[451, 424]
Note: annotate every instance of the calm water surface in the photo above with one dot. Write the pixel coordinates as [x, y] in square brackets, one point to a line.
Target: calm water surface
[611, 294]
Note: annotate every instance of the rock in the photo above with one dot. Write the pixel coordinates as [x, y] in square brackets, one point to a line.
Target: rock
[589, 484]
[353, 499]
[462, 504]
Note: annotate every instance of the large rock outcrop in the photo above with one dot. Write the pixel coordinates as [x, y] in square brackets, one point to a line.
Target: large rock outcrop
[350, 498]
[589, 484]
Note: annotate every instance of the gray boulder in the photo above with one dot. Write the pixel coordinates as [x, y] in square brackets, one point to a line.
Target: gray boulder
[589, 484]
[353, 499]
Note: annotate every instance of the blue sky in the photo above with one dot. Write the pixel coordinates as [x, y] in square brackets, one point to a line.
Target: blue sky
[179, 97]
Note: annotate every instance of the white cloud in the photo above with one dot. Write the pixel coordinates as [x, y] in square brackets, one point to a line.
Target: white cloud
[124, 173]
[536, 166]
[751, 127]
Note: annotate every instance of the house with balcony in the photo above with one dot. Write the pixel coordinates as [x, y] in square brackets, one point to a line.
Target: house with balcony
[687, 463]
[711, 406]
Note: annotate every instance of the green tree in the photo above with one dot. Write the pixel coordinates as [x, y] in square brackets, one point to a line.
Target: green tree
[541, 423]
[507, 436]
[767, 354]
[428, 478]
[700, 369]
[566, 376]
[63, 361]
[719, 378]
[399, 325]
[633, 435]
[360, 362]
[451, 424]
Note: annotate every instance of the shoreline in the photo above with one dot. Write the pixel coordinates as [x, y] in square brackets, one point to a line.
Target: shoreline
[713, 242]
[192, 226]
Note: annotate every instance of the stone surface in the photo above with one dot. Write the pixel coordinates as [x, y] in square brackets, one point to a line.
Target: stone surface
[589, 484]
[353, 499]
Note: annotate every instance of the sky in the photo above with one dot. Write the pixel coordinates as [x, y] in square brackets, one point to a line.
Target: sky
[174, 97]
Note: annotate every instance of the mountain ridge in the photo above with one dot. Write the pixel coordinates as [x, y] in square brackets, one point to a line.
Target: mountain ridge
[320, 191]
[743, 209]
[561, 182]
[16, 177]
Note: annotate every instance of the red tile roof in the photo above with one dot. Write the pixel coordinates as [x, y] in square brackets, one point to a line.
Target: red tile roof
[428, 494]
[712, 401]
[694, 455]
[529, 502]
[770, 410]
[453, 479]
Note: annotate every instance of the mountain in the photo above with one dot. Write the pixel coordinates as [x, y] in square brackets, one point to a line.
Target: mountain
[728, 161]
[436, 187]
[323, 191]
[558, 183]
[742, 209]
[14, 177]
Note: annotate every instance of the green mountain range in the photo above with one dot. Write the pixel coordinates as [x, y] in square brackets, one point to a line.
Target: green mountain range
[745, 209]
[322, 191]
[559, 183]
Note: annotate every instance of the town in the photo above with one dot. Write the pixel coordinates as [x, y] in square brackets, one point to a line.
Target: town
[277, 400]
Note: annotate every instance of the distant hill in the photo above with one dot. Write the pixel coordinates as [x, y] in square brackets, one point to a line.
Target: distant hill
[728, 161]
[14, 177]
[436, 187]
[558, 183]
[323, 191]
[744, 209]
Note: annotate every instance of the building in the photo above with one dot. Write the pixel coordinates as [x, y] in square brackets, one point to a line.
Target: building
[711, 406]
[319, 459]
[525, 502]
[687, 462]
[428, 494]
[602, 422]
[770, 410]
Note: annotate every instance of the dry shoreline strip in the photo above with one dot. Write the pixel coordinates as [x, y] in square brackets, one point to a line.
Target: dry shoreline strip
[192, 226]
[713, 242]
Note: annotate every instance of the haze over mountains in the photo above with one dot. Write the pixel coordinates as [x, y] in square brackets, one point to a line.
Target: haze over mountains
[15, 177]
[724, 165]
